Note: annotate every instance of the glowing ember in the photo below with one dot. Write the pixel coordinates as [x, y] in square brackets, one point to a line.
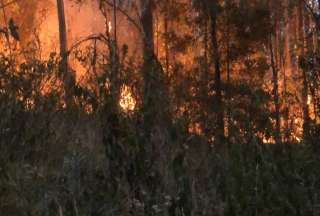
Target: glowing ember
[195, 128]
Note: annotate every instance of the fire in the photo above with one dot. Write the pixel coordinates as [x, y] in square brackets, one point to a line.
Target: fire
[268, 140]
[127, 101]
[87, 20]
[195, 128]
[109, 27]
[309, 99]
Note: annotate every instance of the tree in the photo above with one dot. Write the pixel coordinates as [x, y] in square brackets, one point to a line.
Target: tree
[302, 53]
[67, 77]
[154, 92]
[213, 13]
[275, 80]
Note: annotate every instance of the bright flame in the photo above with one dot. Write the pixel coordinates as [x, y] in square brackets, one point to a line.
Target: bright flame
[127, 101]
[309, 99]
[268, 140]
[109, 26]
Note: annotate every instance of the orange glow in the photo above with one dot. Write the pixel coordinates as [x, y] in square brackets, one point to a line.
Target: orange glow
[82, 21]
[195, 128]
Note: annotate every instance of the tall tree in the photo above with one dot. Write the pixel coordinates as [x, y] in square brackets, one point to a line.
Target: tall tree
[304, 94]
[154, 94]
[276, 100]
[275, 63]
[287, 64]
[68, 78]
[213, 12]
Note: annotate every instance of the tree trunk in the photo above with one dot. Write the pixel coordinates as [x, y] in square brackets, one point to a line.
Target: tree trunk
[155, 94]
[148, 68]
[115, 37]
[305, 106]
[147, 26]
[114, 60]
[218, 102]
[155, 108]
[166, 31]
[287, 67]
[68, 79]
[204, 79]
[275, 79]
[228, 69]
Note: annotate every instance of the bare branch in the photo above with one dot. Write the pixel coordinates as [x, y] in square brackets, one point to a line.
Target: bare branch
[126, 15]
[95, 37]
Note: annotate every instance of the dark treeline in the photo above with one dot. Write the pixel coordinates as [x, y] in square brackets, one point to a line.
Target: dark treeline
[185, 108]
